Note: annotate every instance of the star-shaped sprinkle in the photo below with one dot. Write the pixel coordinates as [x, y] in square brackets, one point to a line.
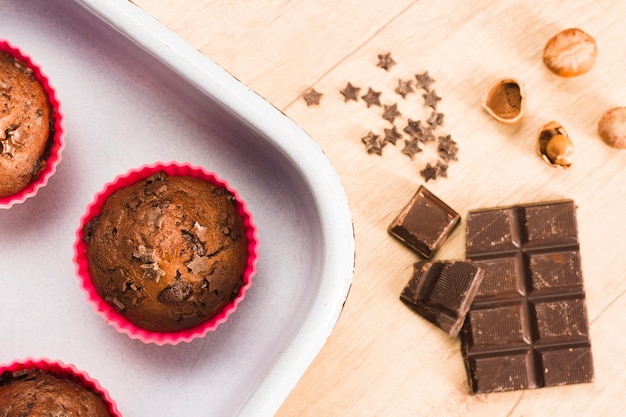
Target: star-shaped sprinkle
[372, 98]
[449, 154]
[446, 143]
[424, 80]
[442, 169]
[312, 97]
[413, 128]
[411, 147]
[404, 87]
[385, 61]
[391, 112]
[350, 93]
[431, 99]
[429, 172]
[427, 135]
[435, 119]
[391, 135]
[372, 143]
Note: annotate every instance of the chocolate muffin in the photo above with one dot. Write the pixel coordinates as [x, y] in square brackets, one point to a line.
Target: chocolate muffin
[167, 252]
[26, 125]
[33, 392]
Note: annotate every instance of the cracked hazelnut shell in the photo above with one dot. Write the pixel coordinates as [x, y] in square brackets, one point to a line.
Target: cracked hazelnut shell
[555, 146]
[506, 100]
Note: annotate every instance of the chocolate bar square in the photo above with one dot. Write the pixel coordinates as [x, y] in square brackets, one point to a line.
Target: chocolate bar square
[442, 292]
[527, 326]
[425, 223]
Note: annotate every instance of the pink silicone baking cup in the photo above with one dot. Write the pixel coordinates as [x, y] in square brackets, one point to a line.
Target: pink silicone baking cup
[63, 370]
[58, 135]
[106, 311]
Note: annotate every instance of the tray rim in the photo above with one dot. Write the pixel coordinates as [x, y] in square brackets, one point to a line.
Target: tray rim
[303, 152]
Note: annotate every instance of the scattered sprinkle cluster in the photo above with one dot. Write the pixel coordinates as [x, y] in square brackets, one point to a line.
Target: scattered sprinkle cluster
[416, 134]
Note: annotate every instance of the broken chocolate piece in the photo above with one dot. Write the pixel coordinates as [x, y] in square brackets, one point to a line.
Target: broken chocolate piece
[442, 292]
[527, 326]
[425, 223]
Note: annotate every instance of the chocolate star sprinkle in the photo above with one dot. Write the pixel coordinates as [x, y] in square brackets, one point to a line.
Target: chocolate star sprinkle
[435, 119]
[350, 92]
[414, 128]
[431, 99]
[392, 135]
[312, 97]
[372, 143]
[391, 112]
[372, 98]
[429, 173]
[385, 61]
[427, 135]
[446, 143]
[449, 154]
[404, 87]
[424, 80]
[411, 147]
[442, 169]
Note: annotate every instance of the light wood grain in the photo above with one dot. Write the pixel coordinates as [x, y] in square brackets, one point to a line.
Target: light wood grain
[381, 359]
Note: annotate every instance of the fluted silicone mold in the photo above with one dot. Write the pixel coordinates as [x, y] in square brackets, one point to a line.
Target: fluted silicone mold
[106, 311]
[69, 371]
[58, 135]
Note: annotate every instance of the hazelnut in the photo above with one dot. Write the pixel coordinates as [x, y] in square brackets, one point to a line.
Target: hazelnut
[612, 127]
[506, 100]
[555, 146]
[570, 53]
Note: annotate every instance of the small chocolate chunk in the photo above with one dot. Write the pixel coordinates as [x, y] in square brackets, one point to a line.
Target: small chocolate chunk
[527, 326]
[442, 292]
[425, 223]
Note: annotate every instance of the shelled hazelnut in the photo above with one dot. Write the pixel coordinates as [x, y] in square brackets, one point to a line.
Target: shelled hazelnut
[570, 53]
[612, 127]
[555, 146]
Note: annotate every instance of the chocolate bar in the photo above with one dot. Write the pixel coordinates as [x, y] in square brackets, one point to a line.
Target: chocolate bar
[442, 292]
[527, 326]
[425, 223]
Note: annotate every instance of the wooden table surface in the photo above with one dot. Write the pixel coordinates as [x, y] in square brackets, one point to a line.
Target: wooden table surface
[382, 359]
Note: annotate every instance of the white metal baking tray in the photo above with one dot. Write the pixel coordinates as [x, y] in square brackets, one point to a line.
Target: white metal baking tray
[134, 93]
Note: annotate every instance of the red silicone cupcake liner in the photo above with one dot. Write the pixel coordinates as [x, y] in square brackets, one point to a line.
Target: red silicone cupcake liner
[58, 135]
[106, 311]
[63, 370]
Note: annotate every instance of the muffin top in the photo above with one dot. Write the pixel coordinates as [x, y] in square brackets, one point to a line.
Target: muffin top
[34, 392]
[167, 252]
[25, 125]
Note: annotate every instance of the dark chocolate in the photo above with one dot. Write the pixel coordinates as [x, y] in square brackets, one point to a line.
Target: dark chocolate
[425, 223]
[442, 292]
[527, 326]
